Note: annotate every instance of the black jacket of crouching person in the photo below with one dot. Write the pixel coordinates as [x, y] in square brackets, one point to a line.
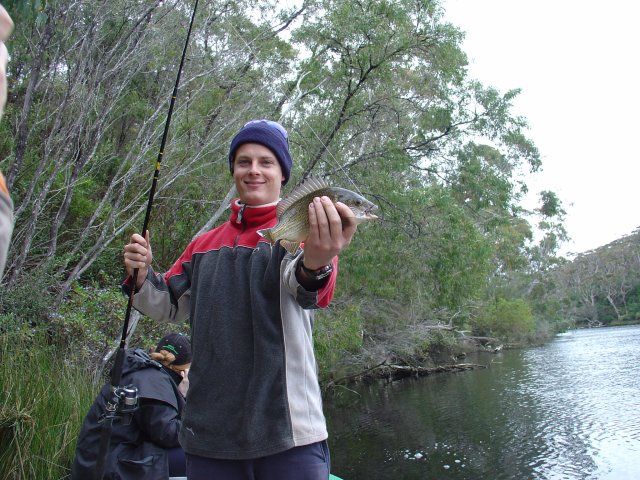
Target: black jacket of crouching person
[139, 440]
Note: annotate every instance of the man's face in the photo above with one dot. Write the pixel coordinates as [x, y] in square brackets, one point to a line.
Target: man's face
[257, 174]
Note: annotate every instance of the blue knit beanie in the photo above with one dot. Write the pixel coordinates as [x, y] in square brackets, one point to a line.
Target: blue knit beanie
[269, 134]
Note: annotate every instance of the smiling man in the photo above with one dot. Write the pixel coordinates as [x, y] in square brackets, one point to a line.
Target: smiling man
[254, 408]
[260, 161]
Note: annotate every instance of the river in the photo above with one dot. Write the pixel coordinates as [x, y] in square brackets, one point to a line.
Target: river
[567, 410]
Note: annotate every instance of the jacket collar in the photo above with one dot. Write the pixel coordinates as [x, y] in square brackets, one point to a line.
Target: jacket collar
[250, 215]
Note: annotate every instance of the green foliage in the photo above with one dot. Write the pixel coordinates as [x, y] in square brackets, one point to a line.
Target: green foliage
[435, 344]
[633, 304]
[336, 336]
[509, 319]
[90, 322]
[482, 180]
[29, 300]
[107, 272]
[380, 97]
[92, 314]
[23, 11]
[457, 255]
[550, 205]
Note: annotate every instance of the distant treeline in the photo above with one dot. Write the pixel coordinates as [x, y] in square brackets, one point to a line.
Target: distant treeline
[602, 287]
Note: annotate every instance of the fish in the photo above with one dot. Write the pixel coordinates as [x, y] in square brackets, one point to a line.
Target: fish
[292, 211]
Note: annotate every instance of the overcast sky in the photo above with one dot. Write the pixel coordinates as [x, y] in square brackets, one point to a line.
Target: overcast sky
[577, 63]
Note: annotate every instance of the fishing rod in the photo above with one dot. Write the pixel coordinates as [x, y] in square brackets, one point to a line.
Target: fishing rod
[124, 399]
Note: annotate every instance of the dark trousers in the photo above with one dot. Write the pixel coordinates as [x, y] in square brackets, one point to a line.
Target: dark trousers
[309, 462]
[177, 462]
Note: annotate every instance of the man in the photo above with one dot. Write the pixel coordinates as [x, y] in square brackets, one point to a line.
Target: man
[254, 409]
[6, 204]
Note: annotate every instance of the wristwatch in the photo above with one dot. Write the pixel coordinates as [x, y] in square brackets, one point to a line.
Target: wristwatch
[319, 273]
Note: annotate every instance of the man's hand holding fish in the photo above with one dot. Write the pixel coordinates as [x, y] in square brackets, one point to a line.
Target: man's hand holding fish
[331, 228]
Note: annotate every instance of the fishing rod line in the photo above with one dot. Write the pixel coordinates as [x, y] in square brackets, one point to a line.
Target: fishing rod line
[113, 407]
[117, 370]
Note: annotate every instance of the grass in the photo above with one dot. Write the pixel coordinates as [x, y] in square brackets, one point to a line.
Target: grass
[43, 400]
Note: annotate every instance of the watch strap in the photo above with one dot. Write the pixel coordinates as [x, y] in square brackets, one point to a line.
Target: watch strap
[319, 273]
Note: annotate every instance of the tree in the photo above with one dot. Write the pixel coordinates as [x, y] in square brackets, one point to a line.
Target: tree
[598, 286]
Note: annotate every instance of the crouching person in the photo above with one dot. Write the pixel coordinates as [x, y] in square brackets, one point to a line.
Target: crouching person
[144, 441]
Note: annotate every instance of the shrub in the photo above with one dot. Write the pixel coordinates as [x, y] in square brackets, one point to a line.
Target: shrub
[508, 319]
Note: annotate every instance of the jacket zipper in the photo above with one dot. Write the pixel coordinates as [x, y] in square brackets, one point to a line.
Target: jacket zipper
[239, 221]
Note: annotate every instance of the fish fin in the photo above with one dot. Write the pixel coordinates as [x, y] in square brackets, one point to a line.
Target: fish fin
[301, 190]
[266, 233]
[289, 246]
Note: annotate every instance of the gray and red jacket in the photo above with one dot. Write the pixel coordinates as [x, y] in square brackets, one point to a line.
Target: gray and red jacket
[253, 382]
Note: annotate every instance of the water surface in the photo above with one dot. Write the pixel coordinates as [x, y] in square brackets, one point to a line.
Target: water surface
[568, 410]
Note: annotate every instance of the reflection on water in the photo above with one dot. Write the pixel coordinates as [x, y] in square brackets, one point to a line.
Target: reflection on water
[568, 410]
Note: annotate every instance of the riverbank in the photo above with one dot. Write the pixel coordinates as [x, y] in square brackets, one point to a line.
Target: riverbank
[429, 350]
[423, 350]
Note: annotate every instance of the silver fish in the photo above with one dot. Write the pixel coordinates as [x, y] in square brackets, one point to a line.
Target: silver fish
[293, 211]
